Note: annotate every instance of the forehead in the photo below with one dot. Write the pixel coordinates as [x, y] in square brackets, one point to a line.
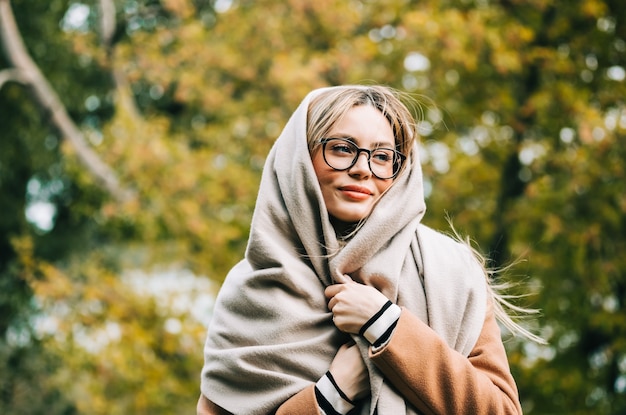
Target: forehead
[364, 124]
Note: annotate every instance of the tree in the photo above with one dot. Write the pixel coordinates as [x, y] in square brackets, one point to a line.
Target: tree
[543, 89]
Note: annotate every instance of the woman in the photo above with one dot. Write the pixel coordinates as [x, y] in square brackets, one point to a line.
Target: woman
[344, 301]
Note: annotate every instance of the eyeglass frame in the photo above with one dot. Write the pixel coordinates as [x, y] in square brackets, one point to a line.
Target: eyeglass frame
[401, 157]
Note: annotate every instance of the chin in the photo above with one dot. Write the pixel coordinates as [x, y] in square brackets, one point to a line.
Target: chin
[351, 217]
[353, 213]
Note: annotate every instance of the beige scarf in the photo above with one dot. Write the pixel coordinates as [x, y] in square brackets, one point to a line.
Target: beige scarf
[272, 335]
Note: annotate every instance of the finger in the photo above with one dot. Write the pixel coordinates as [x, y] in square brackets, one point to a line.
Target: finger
[333, 290]
[332, 303]
[342, 278]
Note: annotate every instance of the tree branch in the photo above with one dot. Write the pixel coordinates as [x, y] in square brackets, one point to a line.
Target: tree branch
[107, 31]
[12, 75]
[107, 22]
[48, 100]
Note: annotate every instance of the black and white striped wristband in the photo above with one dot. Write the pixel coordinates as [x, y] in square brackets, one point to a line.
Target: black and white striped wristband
[377, 330]
[330, 398]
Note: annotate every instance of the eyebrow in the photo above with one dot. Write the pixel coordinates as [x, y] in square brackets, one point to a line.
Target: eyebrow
[378, 144]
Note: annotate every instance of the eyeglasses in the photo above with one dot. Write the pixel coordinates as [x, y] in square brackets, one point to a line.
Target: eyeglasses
[341, 154]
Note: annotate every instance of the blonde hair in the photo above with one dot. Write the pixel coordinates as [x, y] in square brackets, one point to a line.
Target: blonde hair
[502, 303]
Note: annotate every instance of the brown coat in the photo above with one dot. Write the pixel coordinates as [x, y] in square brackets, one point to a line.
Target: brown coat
[436, 379]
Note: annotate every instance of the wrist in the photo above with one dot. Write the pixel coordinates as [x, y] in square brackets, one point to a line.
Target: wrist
[330, 398]
[378, 329]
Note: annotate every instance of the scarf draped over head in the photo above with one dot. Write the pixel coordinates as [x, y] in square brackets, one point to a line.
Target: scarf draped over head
[272, 335]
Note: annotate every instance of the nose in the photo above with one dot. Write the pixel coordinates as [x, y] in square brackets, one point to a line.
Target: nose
[361, 166]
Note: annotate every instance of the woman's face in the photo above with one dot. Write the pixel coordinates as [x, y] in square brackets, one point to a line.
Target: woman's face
[351, 194]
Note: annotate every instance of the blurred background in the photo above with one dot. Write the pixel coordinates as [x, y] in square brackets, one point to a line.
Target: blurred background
[133, 135]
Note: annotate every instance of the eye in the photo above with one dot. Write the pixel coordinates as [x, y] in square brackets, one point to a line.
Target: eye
[382, 156]
[341, 147]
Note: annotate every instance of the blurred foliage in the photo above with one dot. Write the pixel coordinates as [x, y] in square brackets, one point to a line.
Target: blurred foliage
[523, 134]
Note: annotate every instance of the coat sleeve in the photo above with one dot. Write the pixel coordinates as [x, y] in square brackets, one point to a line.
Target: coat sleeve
[438, 380]
[302, 403]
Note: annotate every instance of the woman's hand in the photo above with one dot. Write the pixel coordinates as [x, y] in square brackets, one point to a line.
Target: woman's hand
[353, 304]
[350, 372]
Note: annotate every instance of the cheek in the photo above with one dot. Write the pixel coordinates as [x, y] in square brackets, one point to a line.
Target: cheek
[316, 158]
[383, 185]
[325, 179]
[322, 170]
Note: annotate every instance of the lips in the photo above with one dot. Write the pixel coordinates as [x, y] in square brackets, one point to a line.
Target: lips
[356, 192]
